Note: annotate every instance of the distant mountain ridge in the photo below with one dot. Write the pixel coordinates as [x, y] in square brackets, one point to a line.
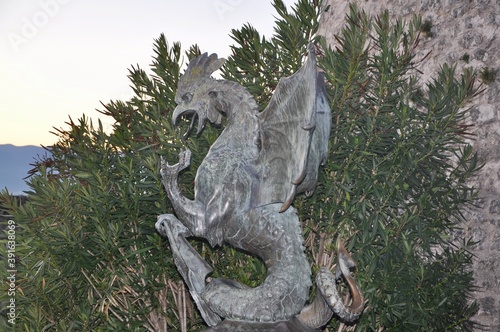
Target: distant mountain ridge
[14, 166]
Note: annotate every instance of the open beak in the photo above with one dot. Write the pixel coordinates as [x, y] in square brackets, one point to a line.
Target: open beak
[182, 111]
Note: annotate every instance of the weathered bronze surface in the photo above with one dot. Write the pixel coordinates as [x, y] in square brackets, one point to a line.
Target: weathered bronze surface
[292, 325]
[244, 189]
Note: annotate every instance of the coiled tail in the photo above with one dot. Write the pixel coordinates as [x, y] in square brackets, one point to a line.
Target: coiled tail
[328, 301]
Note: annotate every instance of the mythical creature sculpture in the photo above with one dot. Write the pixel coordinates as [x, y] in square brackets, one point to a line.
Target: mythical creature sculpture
[244, 189]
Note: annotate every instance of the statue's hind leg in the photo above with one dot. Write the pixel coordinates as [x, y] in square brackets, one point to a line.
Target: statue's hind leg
[277, 239]
[191, 266]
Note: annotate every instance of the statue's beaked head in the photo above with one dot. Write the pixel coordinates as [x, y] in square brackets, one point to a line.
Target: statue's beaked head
[197, 91]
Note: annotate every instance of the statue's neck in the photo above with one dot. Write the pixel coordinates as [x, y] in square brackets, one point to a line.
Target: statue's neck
[237, 101]
[240, 110]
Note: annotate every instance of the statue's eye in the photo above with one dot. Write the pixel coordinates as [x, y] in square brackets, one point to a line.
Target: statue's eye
[187, 97]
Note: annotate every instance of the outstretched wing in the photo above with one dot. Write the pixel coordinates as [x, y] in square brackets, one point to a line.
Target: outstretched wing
[293, 133]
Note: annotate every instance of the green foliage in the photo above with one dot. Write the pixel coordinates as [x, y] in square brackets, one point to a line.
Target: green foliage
[89, 258]
[258, 63]
[397, 177]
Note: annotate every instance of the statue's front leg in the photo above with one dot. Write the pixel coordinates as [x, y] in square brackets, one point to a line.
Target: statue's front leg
[191, 266]
[191, 222]
[190, 212]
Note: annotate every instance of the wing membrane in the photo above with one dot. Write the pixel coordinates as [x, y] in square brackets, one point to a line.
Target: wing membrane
[293, 131]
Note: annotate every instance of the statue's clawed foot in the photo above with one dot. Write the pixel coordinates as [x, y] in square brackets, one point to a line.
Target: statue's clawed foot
[168, 223]
[171, 171]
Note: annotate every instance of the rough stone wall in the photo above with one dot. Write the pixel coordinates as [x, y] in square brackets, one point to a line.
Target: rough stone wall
[461, 29]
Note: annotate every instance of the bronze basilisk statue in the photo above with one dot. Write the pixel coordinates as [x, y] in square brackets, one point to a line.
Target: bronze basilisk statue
[244, 189]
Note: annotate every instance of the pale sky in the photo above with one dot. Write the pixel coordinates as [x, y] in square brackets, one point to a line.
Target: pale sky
[60, 58]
